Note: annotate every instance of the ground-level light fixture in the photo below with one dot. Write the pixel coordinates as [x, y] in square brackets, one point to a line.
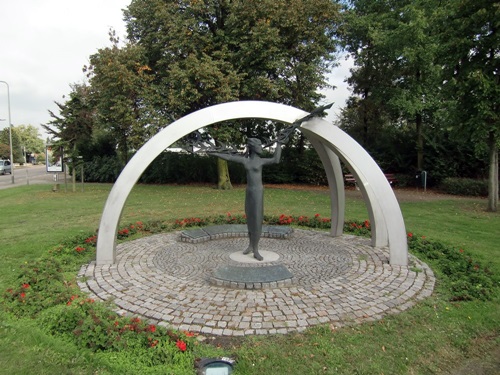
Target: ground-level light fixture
[214, 366]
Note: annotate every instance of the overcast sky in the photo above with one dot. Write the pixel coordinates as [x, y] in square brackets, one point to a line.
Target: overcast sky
[45, 43]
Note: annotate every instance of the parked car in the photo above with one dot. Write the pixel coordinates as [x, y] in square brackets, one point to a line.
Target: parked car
[5, 167]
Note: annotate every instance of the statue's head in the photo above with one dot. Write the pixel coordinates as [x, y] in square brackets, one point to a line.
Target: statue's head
[254, 145]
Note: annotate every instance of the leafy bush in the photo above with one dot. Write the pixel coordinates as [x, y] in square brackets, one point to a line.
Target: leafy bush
[183, 168]
[463, 277]
[97, 327]
[296, 167]
[102, 169]
[173, 167]
[46, 291]
[40, 285]
[464, 186]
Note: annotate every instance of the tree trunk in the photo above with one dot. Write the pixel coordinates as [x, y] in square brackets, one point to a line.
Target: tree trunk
[493, 173]
[365, 117]
[224, 181]
[420, 142]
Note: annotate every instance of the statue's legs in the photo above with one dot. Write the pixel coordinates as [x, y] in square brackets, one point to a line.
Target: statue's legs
[254, 209]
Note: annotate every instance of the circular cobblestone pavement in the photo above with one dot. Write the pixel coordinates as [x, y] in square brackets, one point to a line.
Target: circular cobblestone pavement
[340, 280]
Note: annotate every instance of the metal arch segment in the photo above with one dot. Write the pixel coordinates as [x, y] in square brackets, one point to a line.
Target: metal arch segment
[385, 213]
[108, 227]
[379, 233]
[113, 208]
[331, 164]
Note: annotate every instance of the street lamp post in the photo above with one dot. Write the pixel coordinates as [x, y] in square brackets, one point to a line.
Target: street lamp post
[10, 133]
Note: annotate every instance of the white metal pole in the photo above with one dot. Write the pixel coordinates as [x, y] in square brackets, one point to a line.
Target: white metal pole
[10, 134]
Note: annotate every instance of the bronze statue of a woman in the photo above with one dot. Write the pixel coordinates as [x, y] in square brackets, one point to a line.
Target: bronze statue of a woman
[254, 198]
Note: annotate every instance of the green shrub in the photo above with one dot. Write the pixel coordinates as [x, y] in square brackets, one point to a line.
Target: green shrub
[174, 167]
[40, 285]
[464, 186]
[462, 277]
[96, 326]
[102, 169]
[184, 168]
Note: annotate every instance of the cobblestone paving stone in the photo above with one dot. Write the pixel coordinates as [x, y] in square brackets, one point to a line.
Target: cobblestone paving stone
[340, 280]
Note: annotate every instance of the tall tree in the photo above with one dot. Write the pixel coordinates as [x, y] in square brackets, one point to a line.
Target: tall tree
[206, 52]
[73, 126]
[394, 52]
[31, 141]
[17, 153]
[119, 79]
[470, 42]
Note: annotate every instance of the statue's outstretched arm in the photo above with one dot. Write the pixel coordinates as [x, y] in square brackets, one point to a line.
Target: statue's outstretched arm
[228, 157]
[277, 155]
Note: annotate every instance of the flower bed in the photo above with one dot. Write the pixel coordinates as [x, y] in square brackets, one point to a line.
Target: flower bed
[46, 290]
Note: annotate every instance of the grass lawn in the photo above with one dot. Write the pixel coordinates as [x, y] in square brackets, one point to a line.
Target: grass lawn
[435, 337]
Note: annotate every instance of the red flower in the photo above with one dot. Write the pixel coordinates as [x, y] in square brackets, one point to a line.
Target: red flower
[410, 234]
[92, 239]
[181, 345]
[23, 295]
[26, 286]
[151, 328]
[79, 249]
[154, 343]
[316, 215]
[188, 334]
[72, 298]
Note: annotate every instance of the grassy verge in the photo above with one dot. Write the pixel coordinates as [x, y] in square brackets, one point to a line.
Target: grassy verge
[437, 336]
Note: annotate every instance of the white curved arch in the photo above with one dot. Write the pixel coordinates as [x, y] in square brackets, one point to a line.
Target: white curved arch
[106, 241]
[386, 219]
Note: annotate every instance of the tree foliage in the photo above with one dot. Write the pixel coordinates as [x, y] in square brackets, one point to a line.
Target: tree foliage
[17, 145]
[207, 52]
[30, 138]
[119, 82]
[432, 64]
[73, 126]
[395, 74]
[203, 53]
[470, 41]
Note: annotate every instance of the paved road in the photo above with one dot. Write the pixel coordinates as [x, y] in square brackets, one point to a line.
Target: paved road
[28, 174]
